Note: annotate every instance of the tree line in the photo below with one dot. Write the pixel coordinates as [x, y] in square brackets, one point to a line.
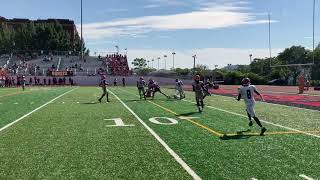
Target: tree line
[260, 70]
[36, 37]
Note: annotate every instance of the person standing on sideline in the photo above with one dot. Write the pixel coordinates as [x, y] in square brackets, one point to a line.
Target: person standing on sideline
[23, 82]
[115, 81]
[124, 82]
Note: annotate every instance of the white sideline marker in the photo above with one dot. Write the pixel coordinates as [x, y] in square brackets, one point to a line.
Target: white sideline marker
[254, 179]
[170, 151]
[306, 177]
[277, 125]
[40, 107]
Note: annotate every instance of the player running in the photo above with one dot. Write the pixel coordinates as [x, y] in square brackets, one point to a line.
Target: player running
[246, 92]
[140, 85]
[198, 88]
[179, 89]
[103, 84]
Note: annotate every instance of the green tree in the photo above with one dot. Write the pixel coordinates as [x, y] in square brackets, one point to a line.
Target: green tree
[182, 72]
[139, 63]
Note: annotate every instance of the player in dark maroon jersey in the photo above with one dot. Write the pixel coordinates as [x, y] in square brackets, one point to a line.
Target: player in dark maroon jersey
[103, 84]
[154, 87]
[140, 85]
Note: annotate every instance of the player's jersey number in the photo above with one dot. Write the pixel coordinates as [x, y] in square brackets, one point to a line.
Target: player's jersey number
[249, 94]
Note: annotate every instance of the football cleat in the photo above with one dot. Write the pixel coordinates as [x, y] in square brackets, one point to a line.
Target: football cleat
[250, 123]
[263, 130]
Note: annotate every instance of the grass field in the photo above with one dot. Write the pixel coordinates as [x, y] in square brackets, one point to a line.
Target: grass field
[64, 133]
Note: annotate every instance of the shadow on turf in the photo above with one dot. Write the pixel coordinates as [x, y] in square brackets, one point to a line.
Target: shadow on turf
[188, 114]
[134, 100]
[90, 103]
[239, 136]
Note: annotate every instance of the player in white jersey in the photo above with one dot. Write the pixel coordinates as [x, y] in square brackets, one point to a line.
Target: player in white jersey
[246, 92]
[179, 90]
[198, 88]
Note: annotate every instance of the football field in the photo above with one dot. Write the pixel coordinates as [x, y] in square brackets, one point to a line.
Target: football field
[65, 133]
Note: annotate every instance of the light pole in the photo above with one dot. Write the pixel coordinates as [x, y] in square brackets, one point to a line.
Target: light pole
[126, 49]
[314, 12]
[229, 66]
[250, 56]
[194, 64]
[173, 53]
[159, 63]
[117, 47]
[152, 62]
[148, 64]
[165, 62]
[270, 53]
[81, 35]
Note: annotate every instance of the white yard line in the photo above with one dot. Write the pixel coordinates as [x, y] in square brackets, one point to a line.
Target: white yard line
[277, 125]
[237, 114]
[170, 151]
[40, 107]
[306, 177]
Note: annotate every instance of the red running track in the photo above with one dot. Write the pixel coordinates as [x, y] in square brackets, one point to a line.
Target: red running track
[286, 95]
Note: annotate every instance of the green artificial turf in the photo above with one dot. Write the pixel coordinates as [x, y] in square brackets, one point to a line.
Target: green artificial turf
[69, 138]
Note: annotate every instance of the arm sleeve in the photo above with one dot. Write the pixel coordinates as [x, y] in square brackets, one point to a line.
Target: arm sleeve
[239, 97]
[255, 90]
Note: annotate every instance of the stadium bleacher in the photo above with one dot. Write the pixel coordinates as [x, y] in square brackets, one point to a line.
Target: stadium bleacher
[113, 64]
[117, 64]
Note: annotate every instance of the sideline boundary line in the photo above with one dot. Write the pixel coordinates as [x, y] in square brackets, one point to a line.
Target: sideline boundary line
[31, 112]
[306, 177]
[184, 165]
